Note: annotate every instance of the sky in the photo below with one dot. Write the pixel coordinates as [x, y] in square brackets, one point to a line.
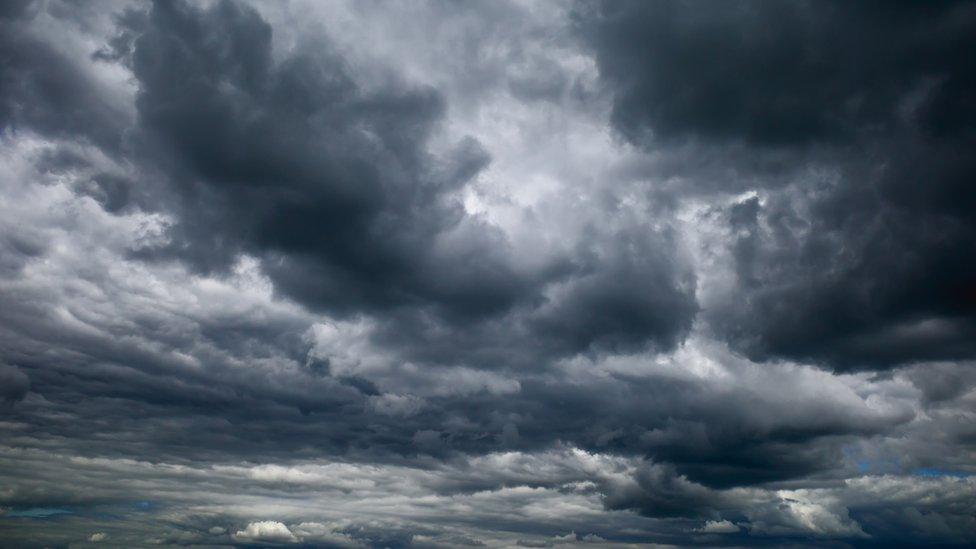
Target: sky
[364, 273]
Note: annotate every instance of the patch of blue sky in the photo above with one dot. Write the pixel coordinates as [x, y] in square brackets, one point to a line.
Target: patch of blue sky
[38, 512]
[935, 472]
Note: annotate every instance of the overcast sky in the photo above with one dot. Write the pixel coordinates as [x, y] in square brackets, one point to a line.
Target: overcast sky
[499, 273]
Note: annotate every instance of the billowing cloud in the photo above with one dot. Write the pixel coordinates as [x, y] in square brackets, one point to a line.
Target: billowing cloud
[266, 531]
[848, 124]
[439, 275]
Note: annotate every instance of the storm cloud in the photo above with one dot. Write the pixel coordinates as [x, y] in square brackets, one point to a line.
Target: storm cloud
[851, 123]
[429, 274]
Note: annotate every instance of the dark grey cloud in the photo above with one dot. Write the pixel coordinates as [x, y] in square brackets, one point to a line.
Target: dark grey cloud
[44, 91]
[330, 184]
[792, 73]
[14, 382]
[855, 255]
[354, 275]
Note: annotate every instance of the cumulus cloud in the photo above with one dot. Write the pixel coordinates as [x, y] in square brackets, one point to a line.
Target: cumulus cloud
[266, 531]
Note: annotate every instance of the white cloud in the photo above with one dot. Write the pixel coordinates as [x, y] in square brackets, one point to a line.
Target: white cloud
[718, 527]
[266, 530]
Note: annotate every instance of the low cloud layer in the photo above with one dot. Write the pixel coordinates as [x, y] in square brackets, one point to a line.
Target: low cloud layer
[545, 274]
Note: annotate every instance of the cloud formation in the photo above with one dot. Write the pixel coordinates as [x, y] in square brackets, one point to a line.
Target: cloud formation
[848, 123]
[438, 275]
